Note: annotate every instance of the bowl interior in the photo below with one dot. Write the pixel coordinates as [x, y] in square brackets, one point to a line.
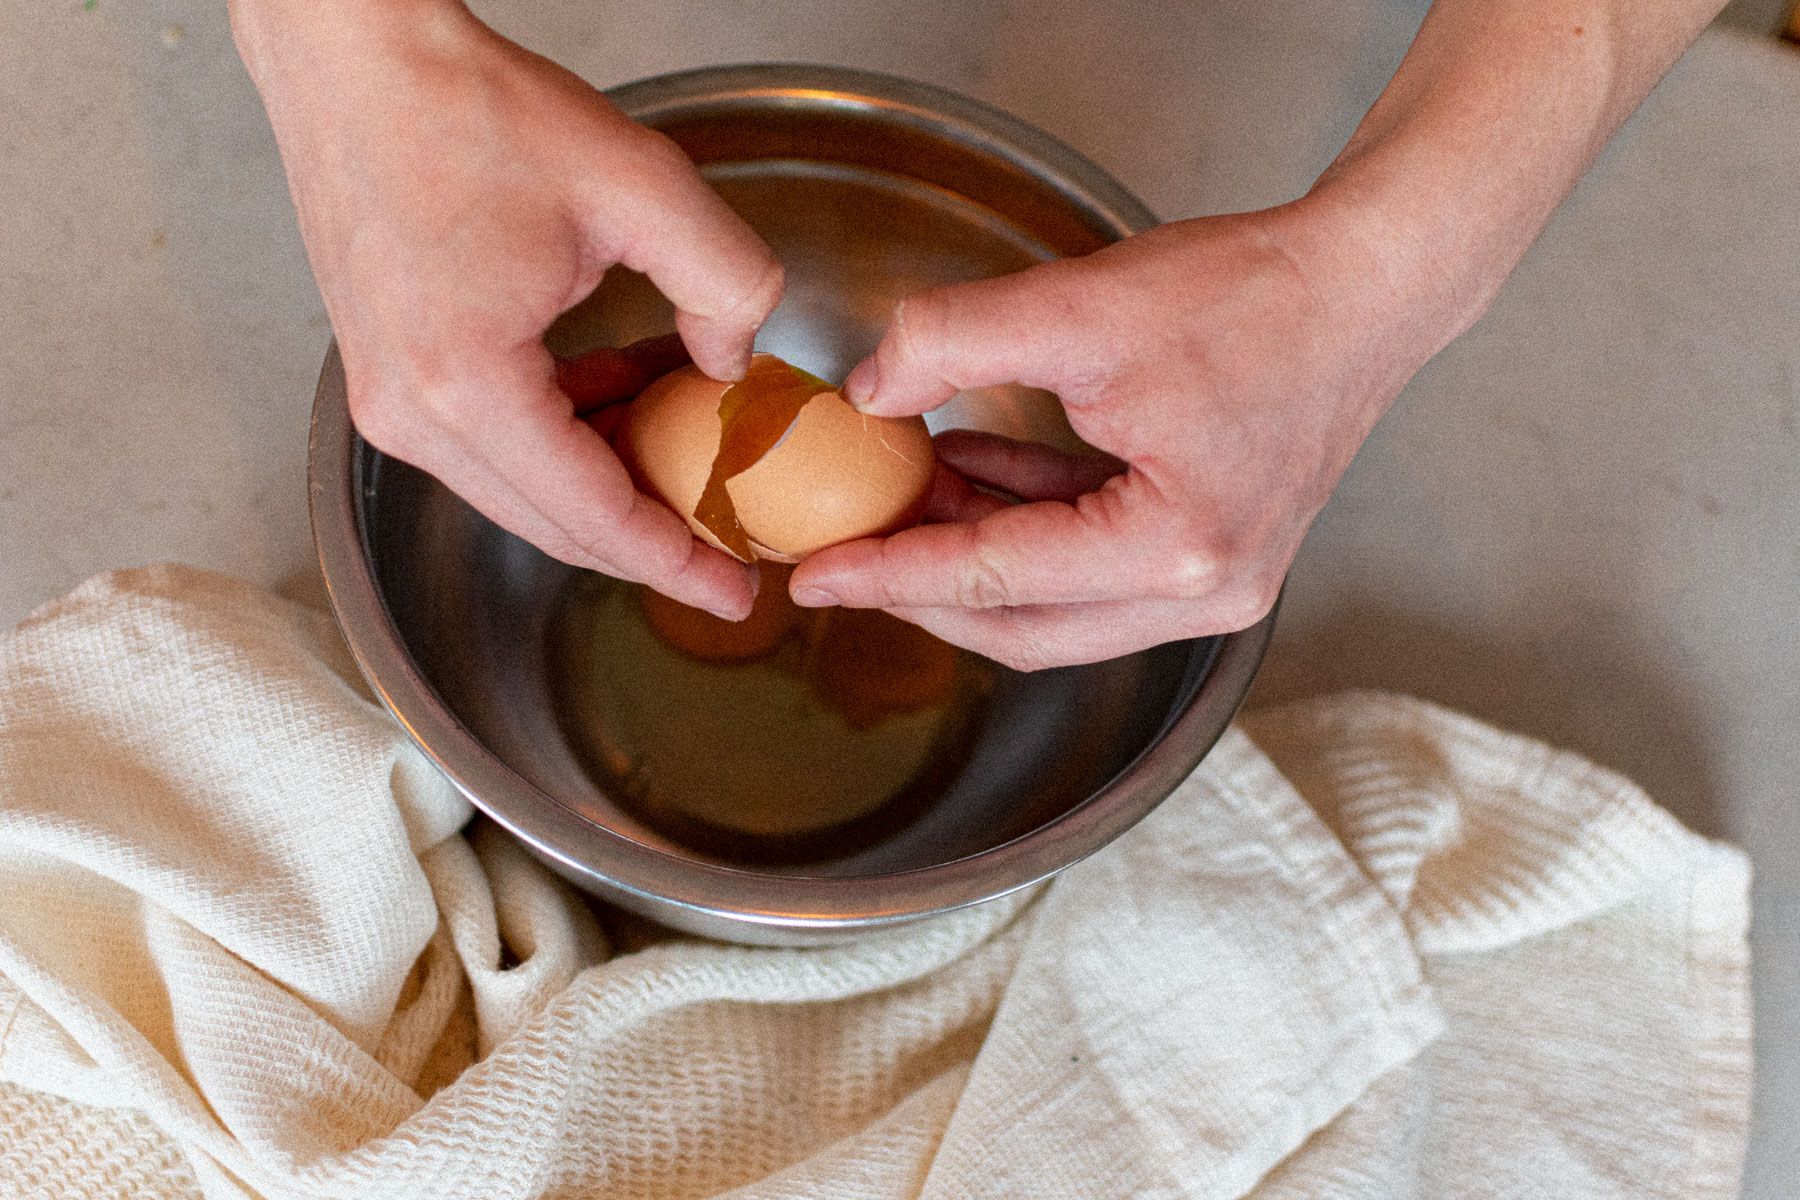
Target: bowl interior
[820, 182]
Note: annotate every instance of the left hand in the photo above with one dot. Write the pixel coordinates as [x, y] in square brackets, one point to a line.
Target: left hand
[1231, 366]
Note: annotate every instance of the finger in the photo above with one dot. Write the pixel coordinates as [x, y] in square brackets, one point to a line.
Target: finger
[953, 498]
[665, 221]
[1106, 546]
[607, 421]
[1012, 329]
[488, 494]
[1028, 470]
[613, 374]
[478, 485]
[569, 475]
[1061, 635]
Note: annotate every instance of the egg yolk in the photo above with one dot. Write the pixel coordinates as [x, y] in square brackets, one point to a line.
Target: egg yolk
[862, 663]
[698, 633]
[869, 665]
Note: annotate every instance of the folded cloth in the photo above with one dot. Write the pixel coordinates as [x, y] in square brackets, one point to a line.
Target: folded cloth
[1370, 949]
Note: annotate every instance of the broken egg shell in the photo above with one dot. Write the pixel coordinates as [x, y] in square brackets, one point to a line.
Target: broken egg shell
[669, 440]
[837, 475]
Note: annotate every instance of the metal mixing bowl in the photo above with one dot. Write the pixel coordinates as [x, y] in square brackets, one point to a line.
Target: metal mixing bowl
[868, 187]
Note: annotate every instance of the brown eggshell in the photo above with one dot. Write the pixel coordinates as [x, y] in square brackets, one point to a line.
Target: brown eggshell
[837, 475]
[670, 439]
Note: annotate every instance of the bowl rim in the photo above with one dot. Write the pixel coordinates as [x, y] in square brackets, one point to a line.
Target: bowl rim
[591, 853]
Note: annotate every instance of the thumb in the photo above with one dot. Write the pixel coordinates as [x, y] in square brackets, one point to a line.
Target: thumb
[991, 331]
[722, 278]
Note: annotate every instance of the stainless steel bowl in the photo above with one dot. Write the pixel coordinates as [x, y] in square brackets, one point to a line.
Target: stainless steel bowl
[868, 187]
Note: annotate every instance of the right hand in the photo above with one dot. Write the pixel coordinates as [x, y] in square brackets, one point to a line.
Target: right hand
[456, 194]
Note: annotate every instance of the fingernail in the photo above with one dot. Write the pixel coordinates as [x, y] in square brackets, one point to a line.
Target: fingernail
[726, 614]
[727, 366]
[859, 389]
[814, 597]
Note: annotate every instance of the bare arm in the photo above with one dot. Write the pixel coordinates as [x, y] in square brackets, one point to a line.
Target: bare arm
[1495, 113]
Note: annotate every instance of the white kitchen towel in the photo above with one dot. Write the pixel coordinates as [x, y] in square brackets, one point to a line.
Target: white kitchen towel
[1371, 949]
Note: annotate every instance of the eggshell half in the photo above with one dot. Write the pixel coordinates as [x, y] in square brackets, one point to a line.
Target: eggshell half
[670, 439]
[837, 475]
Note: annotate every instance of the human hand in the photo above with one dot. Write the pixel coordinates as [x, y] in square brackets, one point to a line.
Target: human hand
[1234, 364]
[1231, 366]
[456, 194]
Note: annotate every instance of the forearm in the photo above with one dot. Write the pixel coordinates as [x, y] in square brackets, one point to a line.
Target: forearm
[1495, 113]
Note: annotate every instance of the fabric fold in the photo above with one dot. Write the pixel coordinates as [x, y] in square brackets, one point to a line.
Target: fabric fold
[1125, 1016]
[1370, 949]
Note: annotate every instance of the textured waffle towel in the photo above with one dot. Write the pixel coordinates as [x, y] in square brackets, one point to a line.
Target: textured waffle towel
[1370, 949]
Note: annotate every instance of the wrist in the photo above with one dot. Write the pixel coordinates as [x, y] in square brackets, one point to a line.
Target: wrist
[269, 33]
[1426, 245]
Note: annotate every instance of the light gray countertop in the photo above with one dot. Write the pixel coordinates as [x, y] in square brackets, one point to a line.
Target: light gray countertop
[1578, 522]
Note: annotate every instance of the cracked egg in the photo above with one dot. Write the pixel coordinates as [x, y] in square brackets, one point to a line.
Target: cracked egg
[776, 465]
